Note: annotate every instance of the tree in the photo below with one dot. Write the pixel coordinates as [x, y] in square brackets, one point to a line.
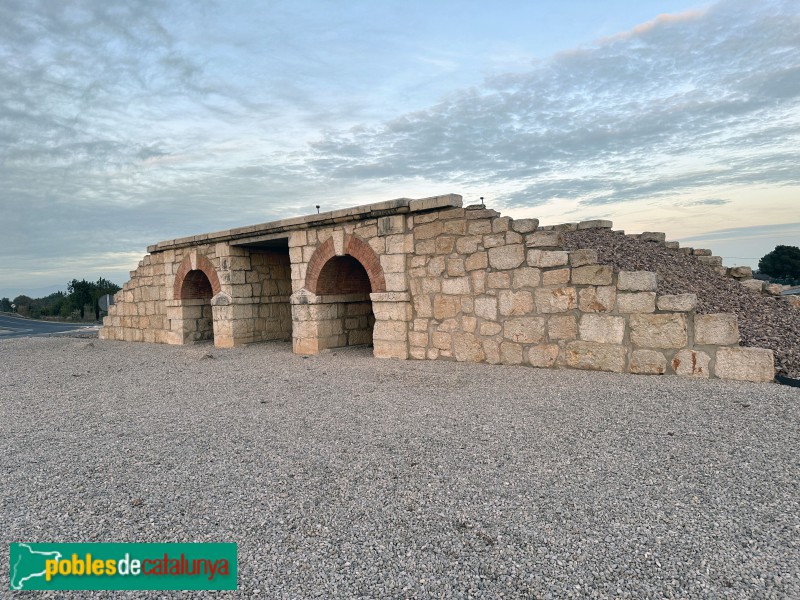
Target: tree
[5, 305]
[783, 262]
[80, 294]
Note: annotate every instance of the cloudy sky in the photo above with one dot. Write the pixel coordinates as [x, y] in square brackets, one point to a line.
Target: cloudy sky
[123, 123]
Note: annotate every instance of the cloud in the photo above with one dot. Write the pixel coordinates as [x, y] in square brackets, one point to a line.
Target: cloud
[686, 101]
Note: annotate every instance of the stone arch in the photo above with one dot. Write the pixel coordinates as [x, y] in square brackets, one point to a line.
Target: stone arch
[354, 247]
[188, 281]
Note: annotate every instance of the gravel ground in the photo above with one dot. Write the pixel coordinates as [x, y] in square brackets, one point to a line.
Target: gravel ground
[342, 476]
[764, 321]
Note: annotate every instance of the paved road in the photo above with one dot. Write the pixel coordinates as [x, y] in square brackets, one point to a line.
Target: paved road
[15, 327]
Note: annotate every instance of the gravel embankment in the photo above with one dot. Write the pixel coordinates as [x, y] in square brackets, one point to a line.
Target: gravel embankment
[343, 476]
[764, 322]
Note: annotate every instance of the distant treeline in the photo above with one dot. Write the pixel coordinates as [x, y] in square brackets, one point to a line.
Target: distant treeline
[81, 296]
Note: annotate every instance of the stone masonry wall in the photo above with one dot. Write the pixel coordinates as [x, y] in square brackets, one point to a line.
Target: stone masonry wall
[485, 288]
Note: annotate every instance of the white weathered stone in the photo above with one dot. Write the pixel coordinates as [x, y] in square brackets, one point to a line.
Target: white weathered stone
[547, 258]
[653, 236]
[648, 362]
[543, 355]
[637, 302]
[562, 327]
[585, 256]
[740, 272]
[524, 225]
[601, 328]
[755, 285]
[596, 357]
[545, 239]
[507, 257]
[556, 276]
[597, 299]
[720, 329]
[486, 307]
[595, 224]
[455, 285]
[592, 275]
[691, 363]
[745, 364]
[515, 303]
[467, 347]
[637, 281]
[526, 277]
[677, 302]
[667, 330]
[524, 330]
[555, 300]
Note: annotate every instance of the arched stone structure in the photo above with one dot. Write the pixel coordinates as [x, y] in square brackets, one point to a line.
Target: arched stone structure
[352, 246]
[191, 264]
[196, 284]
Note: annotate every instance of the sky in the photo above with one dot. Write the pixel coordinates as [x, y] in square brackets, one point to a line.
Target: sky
[123, 123]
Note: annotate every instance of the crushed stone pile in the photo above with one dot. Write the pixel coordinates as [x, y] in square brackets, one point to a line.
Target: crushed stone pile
[764, 321]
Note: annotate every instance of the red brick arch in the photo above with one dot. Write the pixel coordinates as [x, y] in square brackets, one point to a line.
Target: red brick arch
[354, 247]
[201, 264]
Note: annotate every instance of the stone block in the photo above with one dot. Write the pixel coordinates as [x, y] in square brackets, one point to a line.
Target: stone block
[456, 227]
[501, 224]
[711, 261]
[677, 302]
[393, 263]
[479, 227]
[510, 353]
[637, 281]
[468, 244]
[691, 363]
[597, 299]
[392, 311]
[489, 328]
[445, 306]
[601, 328]
[469, 324]
[773, 289]
[555, 300]
[745, 364]
[566, 227]
[507, 257]
[648, 362]
[456, 285]
[595, 224]
[467, 347]
[389, 349]
[721, 329]
[543, 355]
[672, 245]
[667, 330]
[596, 357]
[592, 275]
[444, 244]
[740, 272]
[478, 279]
[524, 330]
[579, 258]
[417, 353]
[455, 267]
[428, 230]
[423, 307]
[524, 225]
[547, 258]
[476, 260]
[491, 351]
[494, 240]
[486, 307]
[498, 280]
[545, 239]
[441, 340]
[653, 236]
[701, 252]
[562, 327]
[526, 277]
[754, 285]
[639, 302]
[515, 303]
[556, 276]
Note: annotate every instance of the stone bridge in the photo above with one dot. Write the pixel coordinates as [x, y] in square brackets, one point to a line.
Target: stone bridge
[424, 279]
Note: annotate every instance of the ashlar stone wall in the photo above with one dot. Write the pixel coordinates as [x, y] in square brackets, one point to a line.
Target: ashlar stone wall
[429, 280]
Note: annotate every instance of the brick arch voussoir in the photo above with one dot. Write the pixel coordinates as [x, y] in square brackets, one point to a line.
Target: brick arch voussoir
[355, 247]
[202, 264]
